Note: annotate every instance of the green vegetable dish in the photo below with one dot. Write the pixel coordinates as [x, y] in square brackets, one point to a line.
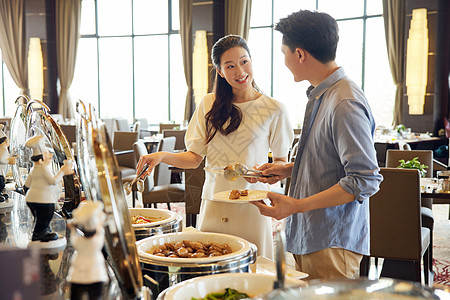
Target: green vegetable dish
[413, 164]
[229, 294]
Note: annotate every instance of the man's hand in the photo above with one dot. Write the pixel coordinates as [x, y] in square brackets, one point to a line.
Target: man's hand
[282, 206]
[277, 171]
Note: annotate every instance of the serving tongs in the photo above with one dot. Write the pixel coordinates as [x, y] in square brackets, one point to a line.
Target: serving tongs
[140, 181]
[238, 170]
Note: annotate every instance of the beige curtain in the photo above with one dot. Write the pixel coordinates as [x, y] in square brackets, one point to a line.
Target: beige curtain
[237, 17]
[186, 45]
[13, 42]
[68, 16]
[394, 24]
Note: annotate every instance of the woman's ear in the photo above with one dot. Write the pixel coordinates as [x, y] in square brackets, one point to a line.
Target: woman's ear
[218, 72]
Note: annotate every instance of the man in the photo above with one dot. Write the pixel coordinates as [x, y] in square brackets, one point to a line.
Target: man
[335, 170]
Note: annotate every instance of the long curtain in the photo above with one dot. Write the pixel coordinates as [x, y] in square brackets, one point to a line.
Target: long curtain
[68, 17]
[237, 17]
[12, 41]
[394, 24]
[186, 44]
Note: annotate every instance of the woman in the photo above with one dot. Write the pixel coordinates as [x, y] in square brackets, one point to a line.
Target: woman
[235, 123]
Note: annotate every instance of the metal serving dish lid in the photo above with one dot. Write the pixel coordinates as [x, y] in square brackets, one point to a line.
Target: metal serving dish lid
[101, 179]
[384, 288]
[18, 137]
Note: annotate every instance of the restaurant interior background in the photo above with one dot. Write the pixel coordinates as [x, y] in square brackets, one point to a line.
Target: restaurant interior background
[130, 62]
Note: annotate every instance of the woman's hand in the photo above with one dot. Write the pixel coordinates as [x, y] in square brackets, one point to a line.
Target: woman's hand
[152, 160]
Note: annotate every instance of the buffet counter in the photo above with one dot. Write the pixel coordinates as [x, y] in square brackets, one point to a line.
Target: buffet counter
[47, 269]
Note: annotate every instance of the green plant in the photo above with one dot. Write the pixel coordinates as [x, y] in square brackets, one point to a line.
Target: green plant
[400, 128]
[413, 164]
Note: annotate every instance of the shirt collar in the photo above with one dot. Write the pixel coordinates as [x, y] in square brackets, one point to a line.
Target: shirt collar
[317, 92]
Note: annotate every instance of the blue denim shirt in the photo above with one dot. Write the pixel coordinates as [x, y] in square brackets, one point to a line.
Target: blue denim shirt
[339, 148]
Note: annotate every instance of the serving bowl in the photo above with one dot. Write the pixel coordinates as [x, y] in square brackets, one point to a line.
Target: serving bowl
[250, 283]
[168, 271]
[166, 222]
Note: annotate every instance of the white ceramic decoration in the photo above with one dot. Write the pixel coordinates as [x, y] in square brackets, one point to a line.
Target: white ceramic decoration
[42, 189]
[5, 161]
[87, 272]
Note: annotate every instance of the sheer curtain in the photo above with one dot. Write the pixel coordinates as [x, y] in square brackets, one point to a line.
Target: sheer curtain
[186, 44]
[394, 24]
[68, 17]
[12, 41]
[237, 17]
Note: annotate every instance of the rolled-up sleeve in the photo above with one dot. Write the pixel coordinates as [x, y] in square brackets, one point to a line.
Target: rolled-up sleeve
[353, 138]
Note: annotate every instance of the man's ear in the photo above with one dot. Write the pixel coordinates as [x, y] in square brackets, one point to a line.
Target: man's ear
[301, 55]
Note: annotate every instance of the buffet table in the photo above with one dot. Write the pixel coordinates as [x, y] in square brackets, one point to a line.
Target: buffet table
[16, 226]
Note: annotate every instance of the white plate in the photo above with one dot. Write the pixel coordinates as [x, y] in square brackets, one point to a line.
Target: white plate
[253, 195]
[251, 284]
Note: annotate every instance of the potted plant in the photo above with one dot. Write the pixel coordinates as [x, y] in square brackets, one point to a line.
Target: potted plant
[413, 164]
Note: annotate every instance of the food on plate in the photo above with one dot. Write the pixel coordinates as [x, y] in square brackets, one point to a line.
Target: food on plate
[229, 294]
[244, 192]
[236, 194]
[140, 219]
[188, 249]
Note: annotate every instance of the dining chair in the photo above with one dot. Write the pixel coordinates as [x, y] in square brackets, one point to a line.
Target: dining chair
[396, 231]
[194, 180]
[425, 157]
[164, 126]
[123, 148]
[162, 191]
[144, 130]
[122, 124]
[179, 134]
[70, 131]
[110, 124]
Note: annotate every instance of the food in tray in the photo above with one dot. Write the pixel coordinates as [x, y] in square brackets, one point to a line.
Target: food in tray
[140, 219]
[236, 194]
[189, 249]
[229, 294]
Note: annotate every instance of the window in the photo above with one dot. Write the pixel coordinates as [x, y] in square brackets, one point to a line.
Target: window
[361, 51]
[129, 60]
[8, 91]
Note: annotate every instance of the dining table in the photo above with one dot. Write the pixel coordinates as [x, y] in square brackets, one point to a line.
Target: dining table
[430, 189]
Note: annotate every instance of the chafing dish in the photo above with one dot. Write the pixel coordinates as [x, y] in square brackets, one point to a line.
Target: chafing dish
[165, 221]
[384, 288]
[169, 271]
[32, 118]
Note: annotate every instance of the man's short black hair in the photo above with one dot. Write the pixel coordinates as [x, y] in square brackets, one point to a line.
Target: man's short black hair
[315, 32]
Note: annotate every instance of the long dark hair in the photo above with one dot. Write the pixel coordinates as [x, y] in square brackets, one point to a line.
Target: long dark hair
[223, 108]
